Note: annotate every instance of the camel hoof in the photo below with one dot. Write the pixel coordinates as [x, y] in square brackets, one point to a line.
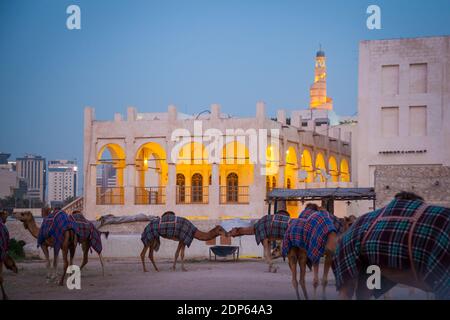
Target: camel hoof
[145, 270]
[184, 269]
[315, 283]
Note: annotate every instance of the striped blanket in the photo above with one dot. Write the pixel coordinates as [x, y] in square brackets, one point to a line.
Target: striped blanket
[310, 234]
[271, 226]
[386, 245]
[87, 231]
[171, 227]
[54, 226]
[4, 241]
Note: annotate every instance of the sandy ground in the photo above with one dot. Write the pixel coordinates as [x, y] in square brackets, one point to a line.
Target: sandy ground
[124, 279]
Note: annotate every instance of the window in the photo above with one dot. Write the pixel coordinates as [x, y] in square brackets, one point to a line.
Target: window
[232, 187]
[389, 122]
[267, 183]
[418, 121]
[288, 183]
[390, 79]
[418, 74]
[197, 188]
[181, 186]
[274, 182]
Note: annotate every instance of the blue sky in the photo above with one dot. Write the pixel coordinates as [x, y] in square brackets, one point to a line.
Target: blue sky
[191, 53]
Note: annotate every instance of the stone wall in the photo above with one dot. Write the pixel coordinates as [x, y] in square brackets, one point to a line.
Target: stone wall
[429, 181]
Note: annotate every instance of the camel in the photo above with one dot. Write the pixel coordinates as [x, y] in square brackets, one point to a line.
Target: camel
[416, 255]
[4, 256]
[265, 233]
[300, 255]
[68, 244]
[175, 228]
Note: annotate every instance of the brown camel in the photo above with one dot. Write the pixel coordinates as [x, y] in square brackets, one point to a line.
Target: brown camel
[68, 245]
[182, 231]
[269, 228]
[4, 256]
[416, 254]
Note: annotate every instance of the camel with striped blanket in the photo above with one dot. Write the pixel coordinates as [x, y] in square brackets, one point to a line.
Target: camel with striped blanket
[180, 229]
[266, 230]
[5, 259]
[408, 240]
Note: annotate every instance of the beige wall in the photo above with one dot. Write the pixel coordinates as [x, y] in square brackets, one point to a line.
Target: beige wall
[403, 105]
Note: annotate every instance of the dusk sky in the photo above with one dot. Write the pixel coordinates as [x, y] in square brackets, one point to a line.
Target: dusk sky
[191, 53]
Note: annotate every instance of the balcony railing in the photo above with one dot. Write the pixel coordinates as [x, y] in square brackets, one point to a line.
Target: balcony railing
[192, 194]
[150, 195]
[110, 195]
[234, 194]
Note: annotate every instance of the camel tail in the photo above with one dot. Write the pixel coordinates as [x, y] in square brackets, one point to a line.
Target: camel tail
[106, 234]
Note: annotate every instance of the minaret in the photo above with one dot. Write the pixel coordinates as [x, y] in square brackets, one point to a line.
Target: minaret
[318, 90]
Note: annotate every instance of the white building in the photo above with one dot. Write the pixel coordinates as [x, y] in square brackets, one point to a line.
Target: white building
[32, 168]
[62, 181]
[403, 135]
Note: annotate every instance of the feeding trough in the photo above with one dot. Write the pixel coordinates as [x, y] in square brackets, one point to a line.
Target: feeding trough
[224, 251]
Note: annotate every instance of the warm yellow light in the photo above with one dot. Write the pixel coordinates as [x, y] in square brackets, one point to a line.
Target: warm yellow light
[145, 162]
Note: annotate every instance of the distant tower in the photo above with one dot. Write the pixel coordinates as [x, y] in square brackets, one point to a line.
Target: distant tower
[318, 90]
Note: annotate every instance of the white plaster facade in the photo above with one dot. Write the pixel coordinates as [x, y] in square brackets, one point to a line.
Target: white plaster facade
[139, 129]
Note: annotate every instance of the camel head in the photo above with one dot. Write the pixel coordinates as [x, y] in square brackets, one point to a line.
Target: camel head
[277, 251]
[26, 217]
[10, 264]
[235, 232]
[348, 222]
[220, 231]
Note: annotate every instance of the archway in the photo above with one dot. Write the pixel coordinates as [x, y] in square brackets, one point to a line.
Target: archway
[345, 174]
[320, 168]
[110, 174]
[151, 174]
[307, 166]
[333, 169]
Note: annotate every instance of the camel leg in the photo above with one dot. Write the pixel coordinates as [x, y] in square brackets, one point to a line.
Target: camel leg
[347, 289]
[182, 257]
[326, 269]
[315, 279]
[152, 259]
[101, 262]
[267, 255]
[143, 252]
[292, 258]
[72, 248]
[180, 244]
[302, 259]
[85, 248]
[65, 251]
[55, 265]
[47, 259]
[5, 297]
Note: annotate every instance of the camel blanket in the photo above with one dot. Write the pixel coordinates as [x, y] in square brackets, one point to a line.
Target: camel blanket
[4, 241]
[387, 246]
[337, 223]
[310, 234]
[54, 226]
[87, 231]
[171, 227]
[271, 226]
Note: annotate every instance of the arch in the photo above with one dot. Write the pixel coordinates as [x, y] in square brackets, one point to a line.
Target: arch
[151, 166]
[307, 166]
[345, 173]
[110, 174]
[333, 169]
[197, 187]
[291, 168]
[193, 153]
[232, 187]
[320, 167]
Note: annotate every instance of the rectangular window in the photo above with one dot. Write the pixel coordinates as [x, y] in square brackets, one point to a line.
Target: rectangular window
[418, 75]
[389, 121]
[390, 79]
[418, 121]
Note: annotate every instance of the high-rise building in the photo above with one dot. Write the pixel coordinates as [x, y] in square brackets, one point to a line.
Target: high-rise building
[62, 181]
[32, 168]
[8, 176]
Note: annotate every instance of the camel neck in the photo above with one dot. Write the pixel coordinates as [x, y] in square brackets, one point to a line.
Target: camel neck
[32, 227]
[247, 231]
